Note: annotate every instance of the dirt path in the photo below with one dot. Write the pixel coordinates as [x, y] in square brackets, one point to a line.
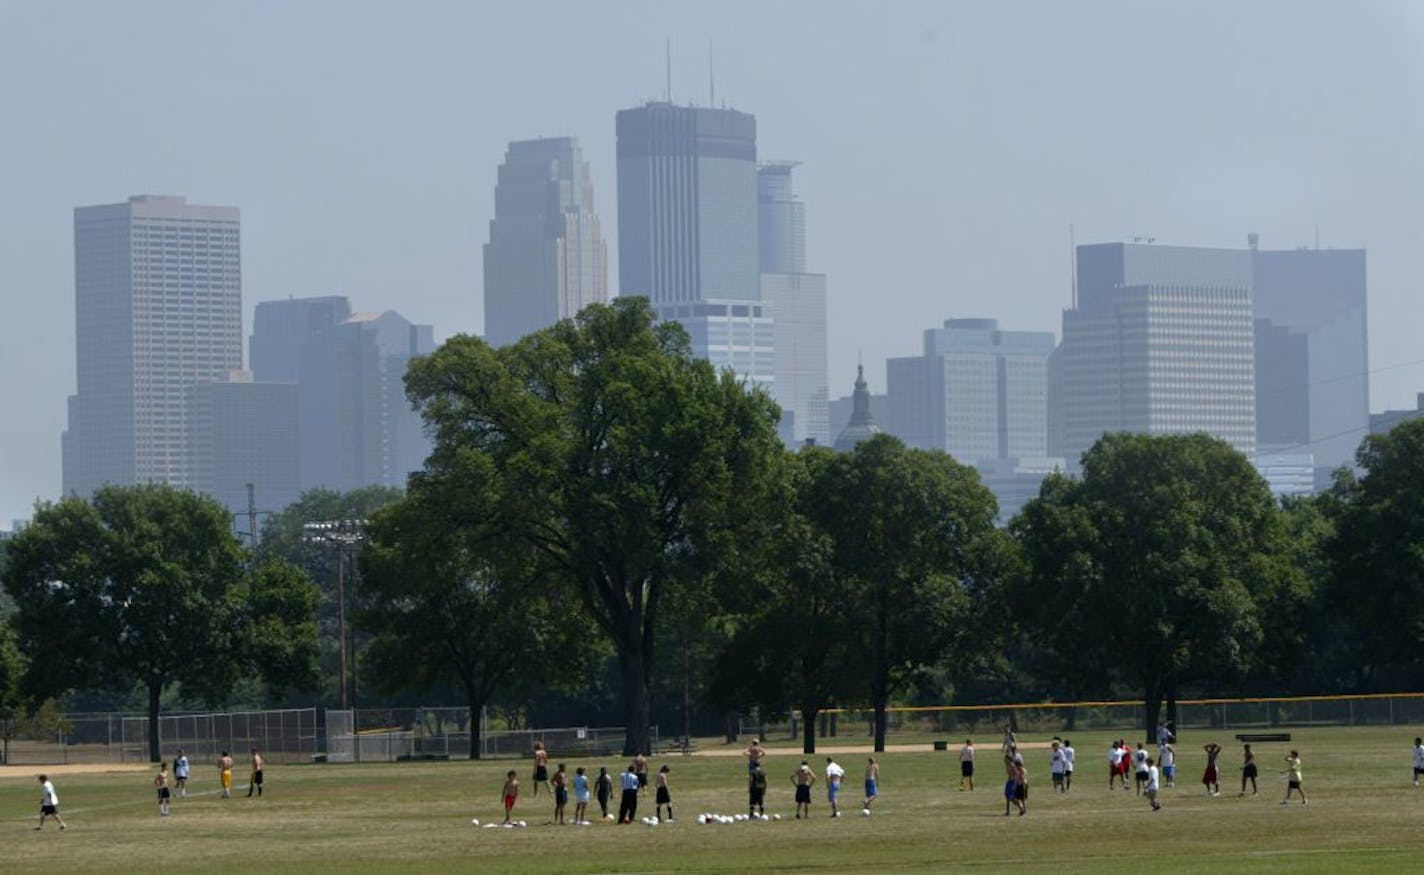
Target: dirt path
[28, 772]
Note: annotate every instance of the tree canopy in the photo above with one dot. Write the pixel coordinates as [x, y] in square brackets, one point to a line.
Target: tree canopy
[626, 467]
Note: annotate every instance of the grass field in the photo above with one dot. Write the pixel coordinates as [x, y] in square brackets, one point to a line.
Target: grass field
[1363, 816]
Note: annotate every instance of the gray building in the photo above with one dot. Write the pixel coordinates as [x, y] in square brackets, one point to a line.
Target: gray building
[842, 408]
[862, 423]
[1312, 354]
[546, 259]
[975, 392]
[1381, 423]
[243, 432]
[688, 229]
[158, 308]
[1160, 340]
[797, 301]
[355, 425]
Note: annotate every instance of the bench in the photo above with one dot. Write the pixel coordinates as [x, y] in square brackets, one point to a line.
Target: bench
[1263, 736]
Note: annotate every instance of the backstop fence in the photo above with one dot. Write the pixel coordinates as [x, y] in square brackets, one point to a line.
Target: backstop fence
[283, 736]
[390, 734]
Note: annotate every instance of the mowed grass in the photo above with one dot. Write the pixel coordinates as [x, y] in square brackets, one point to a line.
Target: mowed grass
[1363, 816]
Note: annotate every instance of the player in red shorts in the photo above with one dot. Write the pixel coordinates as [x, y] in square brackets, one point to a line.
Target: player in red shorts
[1210, 777]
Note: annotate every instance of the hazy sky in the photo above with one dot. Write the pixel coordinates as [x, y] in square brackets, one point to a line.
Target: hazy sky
[947, 148]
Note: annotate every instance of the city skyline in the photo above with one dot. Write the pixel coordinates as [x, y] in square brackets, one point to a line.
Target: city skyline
[1247, 120]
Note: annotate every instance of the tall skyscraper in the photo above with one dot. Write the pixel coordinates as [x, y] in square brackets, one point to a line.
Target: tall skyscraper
[355, 425]
[797, 301]
[687, 229]
[158, 308]
[975, 392]
[1312, 354]
[1159, 341]
[545, 259]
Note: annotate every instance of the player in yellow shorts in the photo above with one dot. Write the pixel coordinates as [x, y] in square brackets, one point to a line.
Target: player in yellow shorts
[225, 769]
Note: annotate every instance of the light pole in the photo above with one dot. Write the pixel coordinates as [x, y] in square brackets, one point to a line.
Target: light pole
[346, 536]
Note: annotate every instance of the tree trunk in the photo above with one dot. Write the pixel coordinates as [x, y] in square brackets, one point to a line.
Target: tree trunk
[1151, 707]
[808, 728]
[635, 698]
[155, 690]
[1172, 708]
[477, 705]
[881, 702]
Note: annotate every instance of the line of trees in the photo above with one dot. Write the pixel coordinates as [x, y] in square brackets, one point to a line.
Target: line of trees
[609, 529]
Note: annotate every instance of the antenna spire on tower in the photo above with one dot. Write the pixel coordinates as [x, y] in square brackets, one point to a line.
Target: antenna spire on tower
[668, 93]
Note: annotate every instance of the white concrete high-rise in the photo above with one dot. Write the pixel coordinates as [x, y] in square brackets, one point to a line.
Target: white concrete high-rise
[158, 308]
[797, 301]
[546, 258]
[1160, 341]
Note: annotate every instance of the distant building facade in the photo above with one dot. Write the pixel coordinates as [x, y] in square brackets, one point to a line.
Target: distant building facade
[546, 258]
[862, 424]
[243, 432]
[1287, 473]
[976, 392]
[1381, 423]
[797, 301]
[356, 427]
[158, 308]
[1312, 353]
[1160, 341]
[688, 230]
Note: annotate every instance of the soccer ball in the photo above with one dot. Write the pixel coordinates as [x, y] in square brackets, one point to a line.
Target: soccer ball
[776, 817]
[521, 824]
[475, 821]
[865, 812]
[491, 826]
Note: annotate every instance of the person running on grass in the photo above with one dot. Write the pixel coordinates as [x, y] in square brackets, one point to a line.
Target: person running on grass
[1292, 773]
[1152, 784]
[1069, 755]
[664, 796]
[803, 778]
[1211, 779]
[49, 803]
[581, 796]
[872, 783]
[1248, 770]
[560, 783]
[966, 764]
[509, 794]
[160, 786]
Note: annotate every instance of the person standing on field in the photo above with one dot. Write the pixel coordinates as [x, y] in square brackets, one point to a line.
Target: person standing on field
[225, 774]
[561, 793]
[1152, 785]
[160, 785]
[966, 764]
[1139, 764]
[603, 789]
[1211, 778]
[1069, 755]
[628, 806]
[1056, 764]
[541, 768]
[509, 794]
[756, 792]
[803, 778]
[180, 773]
[1293, 782]
[254, 781]
[755, 753]
[1248, 770]
[872, 783]
[664, 796]
[640, 767]
[49, 803]
[581, 796]
[1169, 764]
[1115, 755]
[1418, 760]
[834, 775]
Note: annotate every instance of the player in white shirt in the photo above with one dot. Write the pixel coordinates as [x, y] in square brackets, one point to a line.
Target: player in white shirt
[49, 803]
[1169, 764]
[834, 774]
[1069, 755]
[1056, 765]
[1140, 761]
[1151, 791]
[1115, 756]
[966, 764]
[1164, 735]
[1418, 760]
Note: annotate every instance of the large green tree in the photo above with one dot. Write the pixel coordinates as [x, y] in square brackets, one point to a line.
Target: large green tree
[147, 585]
[912, 537]
[626, 467]
[447, 602]
[1151, 569]
[1376, 555]
[13, 703]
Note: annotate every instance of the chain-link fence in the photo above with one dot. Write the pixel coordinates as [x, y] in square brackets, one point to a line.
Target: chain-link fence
[283, 736]
[390, 734]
